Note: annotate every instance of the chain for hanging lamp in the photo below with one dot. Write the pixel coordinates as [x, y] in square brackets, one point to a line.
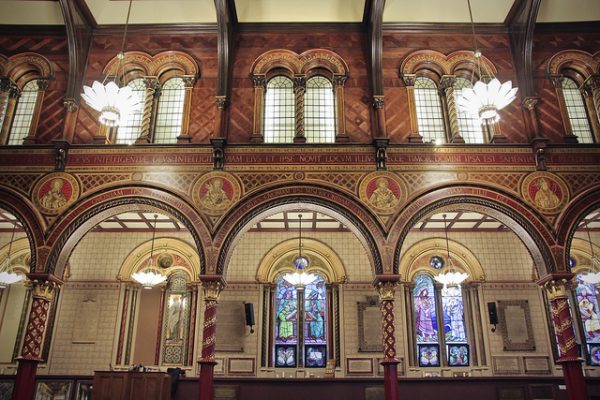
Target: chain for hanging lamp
[300, 278]
[450, 278]
[8, 278]
[150, 276]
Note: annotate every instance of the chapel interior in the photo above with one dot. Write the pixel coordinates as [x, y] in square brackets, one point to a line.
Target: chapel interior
[253, 199]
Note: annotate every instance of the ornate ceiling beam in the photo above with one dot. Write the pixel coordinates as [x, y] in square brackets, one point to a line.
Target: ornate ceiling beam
[374, 21]
[521, 25]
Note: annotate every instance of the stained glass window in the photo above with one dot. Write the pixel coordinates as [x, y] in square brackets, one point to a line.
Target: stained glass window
[580, 125]
[319, 111]
[279, 121]
[435, 327]
[23, 113]
[588, 309]
[430, 119]
[469, 126]
[170, 111]
[287, 346]
[129, 130]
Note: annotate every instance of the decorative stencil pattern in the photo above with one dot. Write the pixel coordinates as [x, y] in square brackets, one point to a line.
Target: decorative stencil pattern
[347, 181]
[181, 182]
[509, 181]
[253, 180]
[579, 182]
[92, 181]
[22, 182]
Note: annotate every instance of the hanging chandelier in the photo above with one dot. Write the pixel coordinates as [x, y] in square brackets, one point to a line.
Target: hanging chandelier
[485, 99]
[150, 276]
[450, 278]
[591, 277]
[113, 102]
[7, 278]
[300, 278]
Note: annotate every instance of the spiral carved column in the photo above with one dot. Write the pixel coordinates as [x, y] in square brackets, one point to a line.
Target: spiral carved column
[299, 90]
[211, 289]
[386, 286]
[562, 320]
[43, 288]
[152, 86]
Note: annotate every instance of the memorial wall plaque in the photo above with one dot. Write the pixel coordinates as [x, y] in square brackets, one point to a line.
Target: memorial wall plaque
[369, 325]
[86, 324]
[515, 324]
[231, 326]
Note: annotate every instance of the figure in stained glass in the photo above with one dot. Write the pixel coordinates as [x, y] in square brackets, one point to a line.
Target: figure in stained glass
[315, 311]
[454, 323]
[287, 307]
[424, 300]
[588, 308]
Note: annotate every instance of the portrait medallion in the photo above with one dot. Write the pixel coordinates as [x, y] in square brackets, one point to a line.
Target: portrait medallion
[545, 191]
[383, 192]
[55, 192]
[215, 192]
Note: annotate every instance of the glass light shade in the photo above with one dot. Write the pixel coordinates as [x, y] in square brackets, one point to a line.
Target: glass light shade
[451, 278]
[148, 278]
[301, 263]
[299, 278]
[113, 103]
[8, 278]
[592, 278]
[486, 99]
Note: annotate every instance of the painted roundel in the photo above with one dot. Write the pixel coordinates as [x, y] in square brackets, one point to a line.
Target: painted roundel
[55, 192]
[216, 192]
[545, 191]
[383, 192]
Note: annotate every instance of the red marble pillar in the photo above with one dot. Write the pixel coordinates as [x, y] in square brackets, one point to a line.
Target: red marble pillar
[211, 291]
[386, 286]
[556, 285]
[42, 292]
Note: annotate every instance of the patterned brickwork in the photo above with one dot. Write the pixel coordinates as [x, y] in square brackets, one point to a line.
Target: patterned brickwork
[397, 114]
[93, 181]
[358, 115]
[253, 181]
[87, 125]
[202, 113]
[241, 115]
[22, 182]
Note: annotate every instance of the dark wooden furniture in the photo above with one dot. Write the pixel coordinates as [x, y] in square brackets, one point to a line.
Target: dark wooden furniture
[110, 385]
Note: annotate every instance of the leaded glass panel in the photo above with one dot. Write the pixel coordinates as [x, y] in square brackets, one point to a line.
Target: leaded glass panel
[314, 315]
[580, 125]
[425, 312]
[286, 318]
[129, 129]
[170, 111]
[23, 113]
[279, 122]
[588, 309]
[454, 317]
[469, 126]
[430, 119]
[319, 111]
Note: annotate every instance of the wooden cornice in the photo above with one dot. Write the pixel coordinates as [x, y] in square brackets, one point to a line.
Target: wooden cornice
[157, 29]
[435, 27]
[300, 27]
[521, 30]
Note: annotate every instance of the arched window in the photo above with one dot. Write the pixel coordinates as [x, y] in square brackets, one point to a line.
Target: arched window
[305, 346]
[170, 111]
[469, 125]
[279, 119]
[130, 129]
[578, 118]
[24, 113]
[176, 326]
[319, 111]
[430, 119]
[439, 324]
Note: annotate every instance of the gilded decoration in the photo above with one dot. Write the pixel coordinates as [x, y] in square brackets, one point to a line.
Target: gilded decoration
[383, 192]
[55, 192]
[545, 191]
[216, 192]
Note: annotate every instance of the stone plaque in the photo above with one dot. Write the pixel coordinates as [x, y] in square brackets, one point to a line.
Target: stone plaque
[369, 325]
[231, 326]
[241, 366]
[506, 365]
[515, 323]
[362, 366]
[221, 392]
[86, 324]
[537, 365]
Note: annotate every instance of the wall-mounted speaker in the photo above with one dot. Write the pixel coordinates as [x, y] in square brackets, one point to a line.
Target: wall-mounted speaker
[492, 314]
[249, 309]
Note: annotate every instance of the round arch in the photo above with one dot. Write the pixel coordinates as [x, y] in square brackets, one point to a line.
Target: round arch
[315, 198]
[581, 250]
[328, 262]
[467, 261]
[86, 214]
[534, 234]
[19, 251]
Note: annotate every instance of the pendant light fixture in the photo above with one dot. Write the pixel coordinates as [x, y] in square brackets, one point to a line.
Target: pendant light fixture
[113, 101]
[591, 277]
[151, 276]
[6, 277]
[486, 98]
[300, 278]
[450, 278]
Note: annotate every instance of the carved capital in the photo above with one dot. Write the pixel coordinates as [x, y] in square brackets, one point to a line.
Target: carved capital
[378, 102]
[211, 289]
[259, 81]
[189, 80]
[42, 289]
[447, 82]
[339, 80]
[557, 80]
[386, 290]
[557, 289]
[5, 84]
[592, 83]
[300, 81]
[221, 102]
[152, 83]
[409, 79]
[70, 105]
[530, 102]
[43, 84]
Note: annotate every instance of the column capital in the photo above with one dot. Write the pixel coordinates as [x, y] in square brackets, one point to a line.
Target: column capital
[557, 80]
[530, 102]
[221, 102]
[339, 80]
[43, 286]
[386, 286]
[447, 82]
[409, 79]
[189, 80]
[556, 284]
[259, 81]
[299, 81]
[71, 105]
[212, 287]
[378, 102]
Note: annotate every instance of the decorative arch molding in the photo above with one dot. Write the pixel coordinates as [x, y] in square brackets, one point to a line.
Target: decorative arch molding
[139, 63]
[186, 258]
[262, 203]
[431, 62]
[279, 259]
[299, 64]
[30, 219]
[581, 250]
[23, 67]
[537, 237]
[466, 260]
[582, 62]
[20, 253]
[87, 213]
